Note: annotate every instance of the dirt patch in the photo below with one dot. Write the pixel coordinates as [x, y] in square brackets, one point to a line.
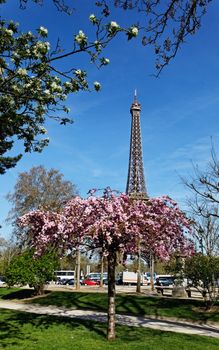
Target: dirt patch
[213, 310]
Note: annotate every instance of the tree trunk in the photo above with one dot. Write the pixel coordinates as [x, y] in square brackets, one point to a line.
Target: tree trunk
[152, 270]
[39, 289]
[138, 287]
[78, 268]
[111, 295]
[101, 270]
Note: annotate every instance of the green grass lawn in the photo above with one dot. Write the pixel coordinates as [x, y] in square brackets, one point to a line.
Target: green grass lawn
[128, 304]
[24, 331]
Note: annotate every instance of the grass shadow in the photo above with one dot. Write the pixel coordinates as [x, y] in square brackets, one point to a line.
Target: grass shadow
[139, 305]
[19, 330]
[21, 294]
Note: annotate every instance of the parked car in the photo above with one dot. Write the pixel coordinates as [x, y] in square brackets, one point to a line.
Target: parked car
[69, 282]
[2, 281]
[64, 281]
[96, 276]
[164, 281]
[89, 282]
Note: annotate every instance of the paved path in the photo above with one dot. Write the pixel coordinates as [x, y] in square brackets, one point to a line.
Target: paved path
[139, 321]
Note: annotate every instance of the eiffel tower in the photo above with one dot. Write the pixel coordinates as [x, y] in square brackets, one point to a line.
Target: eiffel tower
[136, 187]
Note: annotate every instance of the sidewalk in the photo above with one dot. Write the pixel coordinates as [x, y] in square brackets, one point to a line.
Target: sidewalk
[137, 321]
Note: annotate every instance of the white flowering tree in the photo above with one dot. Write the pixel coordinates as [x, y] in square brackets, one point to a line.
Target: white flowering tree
[165, 25]
[33, 87]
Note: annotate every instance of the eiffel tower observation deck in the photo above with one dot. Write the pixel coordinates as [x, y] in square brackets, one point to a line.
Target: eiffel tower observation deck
[136, 187]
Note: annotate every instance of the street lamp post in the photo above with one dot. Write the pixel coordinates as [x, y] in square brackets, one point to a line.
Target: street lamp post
[179, 289]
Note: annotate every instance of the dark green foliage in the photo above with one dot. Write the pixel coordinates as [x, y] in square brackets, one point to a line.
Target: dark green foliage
[202, 269]
[35, 271]
[203, 272]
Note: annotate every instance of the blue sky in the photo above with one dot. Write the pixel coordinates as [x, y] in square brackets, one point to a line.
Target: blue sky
[179, 110]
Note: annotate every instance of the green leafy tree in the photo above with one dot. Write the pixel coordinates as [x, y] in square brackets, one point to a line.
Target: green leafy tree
[33, 87]
[25, 269]
[203, 272]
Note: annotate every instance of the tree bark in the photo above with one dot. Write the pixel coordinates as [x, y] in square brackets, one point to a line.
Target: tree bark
[152, 271]
[101, 270]
[138, 287]
[111, 295]
[39, 289]
[78, 268]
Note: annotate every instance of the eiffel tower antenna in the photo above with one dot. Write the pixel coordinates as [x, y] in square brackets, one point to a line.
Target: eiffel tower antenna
[135, 96]
[136, 182]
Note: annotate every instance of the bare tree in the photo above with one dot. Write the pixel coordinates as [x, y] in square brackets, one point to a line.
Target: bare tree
[39, 189]
[204, 205]
[204, 186]
[166, 25]
[7, 251]
[206, 233]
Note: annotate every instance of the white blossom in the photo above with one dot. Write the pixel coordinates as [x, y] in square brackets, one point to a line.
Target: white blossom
[41, 48]
[22, 71]
[57, 79]
[78, 72]
[93, 18]
[47, 92]
[28, 85]
[63, 97]
[9, 32]
[68, 84]
[114, 25]
[47, 44]
[43, 31]
[15, 55]
[15, 88]
[42, 130]
[105, 61]
[97, 45]
[81, 38]
[134, 31]
[97, 86]
[55, 87]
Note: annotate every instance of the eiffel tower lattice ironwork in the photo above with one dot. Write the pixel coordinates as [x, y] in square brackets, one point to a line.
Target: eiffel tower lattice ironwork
[136, 187]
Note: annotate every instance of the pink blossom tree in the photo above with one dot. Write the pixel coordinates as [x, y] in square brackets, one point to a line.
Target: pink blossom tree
[166, 229]
[116, 224]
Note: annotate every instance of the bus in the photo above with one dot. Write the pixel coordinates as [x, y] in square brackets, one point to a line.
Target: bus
[64, 275]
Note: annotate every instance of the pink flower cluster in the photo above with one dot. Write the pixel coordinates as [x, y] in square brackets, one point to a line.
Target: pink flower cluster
[112, 223]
